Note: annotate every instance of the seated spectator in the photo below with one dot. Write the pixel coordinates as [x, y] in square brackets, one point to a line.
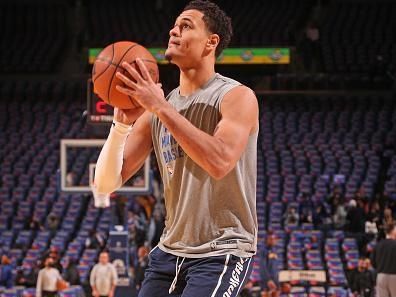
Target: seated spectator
[388, 217]
[306, 208]
[71, 274]
[291, 216]
[335, 199]
[6, 279]
[339, 215]
[27, 278]
[374, 213]
[94, 241]
[361, 195]
[35, 225]
[311, 243]
[53, 223]
[119, 209]
[20, 279]
[371, 228]
[321, 217]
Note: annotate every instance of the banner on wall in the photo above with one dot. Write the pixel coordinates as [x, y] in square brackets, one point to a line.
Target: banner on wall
[302, 275]
[266, 55]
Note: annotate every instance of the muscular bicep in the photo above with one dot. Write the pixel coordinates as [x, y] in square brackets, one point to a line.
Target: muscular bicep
[239, 119]
[138, 146]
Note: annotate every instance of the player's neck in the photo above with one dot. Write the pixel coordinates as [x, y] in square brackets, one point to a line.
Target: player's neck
[194, 78]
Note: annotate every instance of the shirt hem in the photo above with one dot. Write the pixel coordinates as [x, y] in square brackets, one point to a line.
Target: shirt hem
[218, 252]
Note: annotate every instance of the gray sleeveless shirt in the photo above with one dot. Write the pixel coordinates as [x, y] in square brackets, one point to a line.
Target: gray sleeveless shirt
[205, 217]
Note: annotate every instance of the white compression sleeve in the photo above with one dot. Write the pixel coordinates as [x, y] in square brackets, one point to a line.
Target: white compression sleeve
[109, 165]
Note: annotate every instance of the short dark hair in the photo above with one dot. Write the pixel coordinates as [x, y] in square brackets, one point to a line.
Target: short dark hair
[389, 228]
[216, 21]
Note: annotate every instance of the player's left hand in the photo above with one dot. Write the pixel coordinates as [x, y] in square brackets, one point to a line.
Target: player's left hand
[148, 94]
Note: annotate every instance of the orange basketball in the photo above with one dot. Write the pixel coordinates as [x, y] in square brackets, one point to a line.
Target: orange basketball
[109, 61]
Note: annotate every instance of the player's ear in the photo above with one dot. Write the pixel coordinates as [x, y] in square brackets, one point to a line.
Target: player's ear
[213, 41]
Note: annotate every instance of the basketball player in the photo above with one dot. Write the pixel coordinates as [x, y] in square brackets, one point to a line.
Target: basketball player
[204, 135]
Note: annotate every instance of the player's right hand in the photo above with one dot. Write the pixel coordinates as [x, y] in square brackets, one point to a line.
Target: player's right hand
[128, 116]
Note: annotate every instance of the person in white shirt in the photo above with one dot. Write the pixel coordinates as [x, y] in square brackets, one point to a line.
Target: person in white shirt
[103, 277]
[47, 279]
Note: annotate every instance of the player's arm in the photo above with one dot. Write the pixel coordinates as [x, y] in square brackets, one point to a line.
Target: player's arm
[217, 154]
[124, 151]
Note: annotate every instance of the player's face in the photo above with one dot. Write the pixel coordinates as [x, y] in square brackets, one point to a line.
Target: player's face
[188, 39]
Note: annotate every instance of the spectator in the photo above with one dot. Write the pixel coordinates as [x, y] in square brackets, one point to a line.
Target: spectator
[384, 262]
[247, 290]
[70, 179]
[269, 266]
[306, 208]
[137, 231]
[388, 217]
[54, 254]
[103, 278]
[6, 279]
[321, 217]
[374, 212]
[141, 266]
[371, 227]
[27, 278]
[47, 280]
[52, 223]
[362, 281]
[311, 243]
[361, 195]
[355, 218]
[94, 241]
[156, 227]
[339, 214]
[20, 279]
[311, 46]
[71, 274]
[291, 216]
[335, 199]
[119, 210]
[35, 225]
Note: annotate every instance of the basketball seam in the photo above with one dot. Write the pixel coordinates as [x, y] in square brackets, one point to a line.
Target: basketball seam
[107, 61]
[112, 57]
[112, 77]
[116, 65]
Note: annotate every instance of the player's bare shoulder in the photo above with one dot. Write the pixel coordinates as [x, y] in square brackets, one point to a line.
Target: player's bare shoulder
[241, 102]
[241, 94]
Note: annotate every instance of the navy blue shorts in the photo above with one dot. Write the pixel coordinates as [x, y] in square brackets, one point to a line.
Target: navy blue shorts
[219, 276]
